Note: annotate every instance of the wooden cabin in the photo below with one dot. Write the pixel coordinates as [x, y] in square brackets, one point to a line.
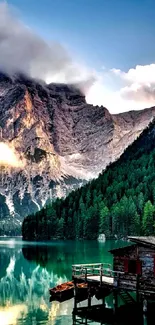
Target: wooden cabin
[131, 278]
[134, 266]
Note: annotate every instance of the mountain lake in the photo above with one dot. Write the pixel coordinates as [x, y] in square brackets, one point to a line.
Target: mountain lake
[28, 270]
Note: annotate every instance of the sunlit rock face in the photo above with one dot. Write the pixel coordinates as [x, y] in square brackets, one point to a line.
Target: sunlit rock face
[52, 141]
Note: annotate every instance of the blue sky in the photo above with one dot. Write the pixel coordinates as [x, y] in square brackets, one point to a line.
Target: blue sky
[115, 34]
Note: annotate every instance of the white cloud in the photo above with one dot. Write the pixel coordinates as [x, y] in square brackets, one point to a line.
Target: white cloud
[141, 74]
[98, 94]
[21, 50]
[140, 84]
[137, 92]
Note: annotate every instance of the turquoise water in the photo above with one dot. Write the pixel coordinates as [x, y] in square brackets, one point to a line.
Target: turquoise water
[28, 270]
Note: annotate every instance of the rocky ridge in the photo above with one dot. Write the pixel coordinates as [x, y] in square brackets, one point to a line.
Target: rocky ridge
[59, 142]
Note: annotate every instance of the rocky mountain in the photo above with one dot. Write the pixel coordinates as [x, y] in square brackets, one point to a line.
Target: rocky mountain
[55, 141]
[119, 203]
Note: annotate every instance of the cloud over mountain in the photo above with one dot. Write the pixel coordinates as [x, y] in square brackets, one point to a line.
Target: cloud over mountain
[21, 50]
[140, 83]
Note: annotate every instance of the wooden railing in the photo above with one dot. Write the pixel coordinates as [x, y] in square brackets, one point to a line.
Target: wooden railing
[96, 269]
[91, 269]
[117, 279]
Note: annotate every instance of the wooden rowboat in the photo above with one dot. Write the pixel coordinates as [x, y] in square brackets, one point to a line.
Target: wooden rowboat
[65, 291]
[62, 291]
[83, 291]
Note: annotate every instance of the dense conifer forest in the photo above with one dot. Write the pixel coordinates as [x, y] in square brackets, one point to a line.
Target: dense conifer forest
[120, 202]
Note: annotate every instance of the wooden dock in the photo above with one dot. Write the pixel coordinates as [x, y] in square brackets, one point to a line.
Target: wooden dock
[99, 273]
[131, 281]
[102, 281]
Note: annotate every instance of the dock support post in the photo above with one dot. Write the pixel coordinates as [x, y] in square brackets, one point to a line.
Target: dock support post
[75, 295]
[145, 306]
[137, 289]
[89, 297]
[74, 318]
[115, 301]
[103, 302]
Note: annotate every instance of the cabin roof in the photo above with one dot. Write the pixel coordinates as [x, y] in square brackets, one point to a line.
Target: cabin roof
[149, 240]
[122, 248]
[144, 241]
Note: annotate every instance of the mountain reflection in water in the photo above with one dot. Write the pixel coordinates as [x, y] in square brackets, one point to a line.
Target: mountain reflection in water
[27, 271]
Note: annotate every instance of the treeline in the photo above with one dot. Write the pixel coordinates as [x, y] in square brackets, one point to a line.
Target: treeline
[121, 201]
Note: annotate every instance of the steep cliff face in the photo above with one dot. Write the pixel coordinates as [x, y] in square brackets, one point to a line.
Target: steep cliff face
[57, 142]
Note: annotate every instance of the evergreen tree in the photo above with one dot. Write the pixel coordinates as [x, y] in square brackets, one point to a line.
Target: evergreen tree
[148, 219]
[104, 220]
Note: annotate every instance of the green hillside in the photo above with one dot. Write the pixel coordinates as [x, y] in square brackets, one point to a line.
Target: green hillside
[121, 201]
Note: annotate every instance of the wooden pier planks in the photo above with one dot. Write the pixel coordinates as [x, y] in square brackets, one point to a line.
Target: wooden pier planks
[96, 278]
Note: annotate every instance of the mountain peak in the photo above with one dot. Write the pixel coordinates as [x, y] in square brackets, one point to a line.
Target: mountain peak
[59, 140]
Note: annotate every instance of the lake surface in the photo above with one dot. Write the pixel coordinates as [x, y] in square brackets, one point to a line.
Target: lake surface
[28, 270]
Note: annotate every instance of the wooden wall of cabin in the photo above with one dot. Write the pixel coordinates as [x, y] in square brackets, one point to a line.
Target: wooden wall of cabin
[130, 252]
[126, 280]
[145, 257]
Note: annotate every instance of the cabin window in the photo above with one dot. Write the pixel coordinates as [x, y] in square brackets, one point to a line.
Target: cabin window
[126, 265]
[132, 266]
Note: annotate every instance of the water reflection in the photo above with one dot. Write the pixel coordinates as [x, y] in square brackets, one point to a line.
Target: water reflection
[24, 288]
[59, 256]
[28, 271]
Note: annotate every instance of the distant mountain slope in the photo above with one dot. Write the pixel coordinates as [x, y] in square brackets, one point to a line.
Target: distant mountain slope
[58, 141]
[119, 202]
